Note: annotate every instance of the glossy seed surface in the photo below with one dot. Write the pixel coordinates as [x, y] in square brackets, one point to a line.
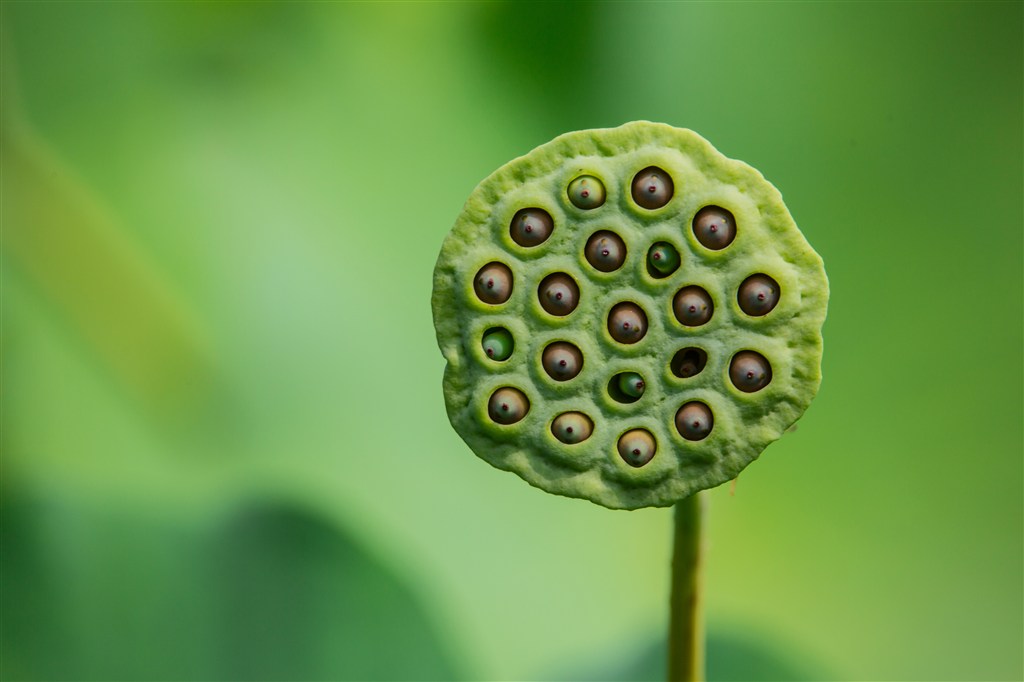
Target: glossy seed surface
[493, 284]
[758, 295]
[627, 323]
[750, 371]
[714, 227]
[693, 306]
[562, 361]
[498, 344]
[632, 384]
[508, 405]
[637, 447]
[586, 192]
[652, 188]
[572, 427]
[605, 251]
[531, 226]
[559, 294]
[694, 421]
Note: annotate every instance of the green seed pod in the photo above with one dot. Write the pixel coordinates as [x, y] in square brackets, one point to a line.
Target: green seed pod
[508, 405]
[627, 323]
[559, 294]
[694, 421]
[758, 295]
[693, 306]
[605, 251]
[586, 192]
[562, 361]
[714, 227]
[531, 226]
[750, 371]
[637, 447]
[632, 384]
[498, 343]
[572, 427]
[662, 259]
[493, 284]
[652, 188]
[640, 452]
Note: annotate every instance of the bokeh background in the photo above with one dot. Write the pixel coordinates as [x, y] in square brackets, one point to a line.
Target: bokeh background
[225, 451]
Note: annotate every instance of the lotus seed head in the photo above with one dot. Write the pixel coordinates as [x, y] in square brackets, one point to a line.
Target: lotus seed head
[498, 343]
[605, 251]
[714, 227]
[572, 427]
[663, 259]
[627, 323]
[508, 405]
[493, 284]
[693, 306]
[559, 294]
[632, 384]
[637, 447]
[562, 361]
[758, 295]
[652, 188]
[531, 226]
[750, 371]
[694, 421]
[586, 192]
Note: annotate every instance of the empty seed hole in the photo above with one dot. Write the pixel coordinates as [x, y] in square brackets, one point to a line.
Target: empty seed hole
[559, 294]
[689, 362]
[493, 284]
[498, 343]
[531, 226]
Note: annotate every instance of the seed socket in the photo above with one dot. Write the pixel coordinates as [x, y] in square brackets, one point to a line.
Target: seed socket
[758, 295]
[693, 306]
[572, 427]
[637, 447]
[605, 251]
[508, 405]
[714, 227]
[559, 294]
[750, 371]
[562, 361]
[652, 188]
[627, 323]
[694, 421]
[493, 284]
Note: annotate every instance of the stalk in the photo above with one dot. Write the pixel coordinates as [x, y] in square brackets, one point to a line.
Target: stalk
[686, 626]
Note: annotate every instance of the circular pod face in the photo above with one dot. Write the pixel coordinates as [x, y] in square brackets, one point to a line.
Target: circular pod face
[716, 384]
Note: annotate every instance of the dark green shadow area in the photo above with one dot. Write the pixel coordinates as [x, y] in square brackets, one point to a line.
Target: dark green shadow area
[272, 592]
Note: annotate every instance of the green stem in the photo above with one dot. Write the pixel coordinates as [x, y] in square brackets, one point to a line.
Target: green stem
[686, 628]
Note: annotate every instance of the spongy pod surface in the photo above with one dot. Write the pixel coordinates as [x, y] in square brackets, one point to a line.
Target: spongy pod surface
[627, 316]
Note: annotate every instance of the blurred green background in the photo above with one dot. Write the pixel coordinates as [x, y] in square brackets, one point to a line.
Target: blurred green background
[225, 451]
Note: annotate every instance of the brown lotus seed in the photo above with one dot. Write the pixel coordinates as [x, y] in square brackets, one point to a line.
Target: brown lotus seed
[693, 306]
[572, 427]
[714, 227]
[758, 295]
[508, 405]
[652, 188]
[750, 371]
[586, 192]
[562, 361]
[531, 226]
[689, 362]
[627, 323]
[493, 284]
[694, 421]
[605, 251]
[637, 447]
[558, 294]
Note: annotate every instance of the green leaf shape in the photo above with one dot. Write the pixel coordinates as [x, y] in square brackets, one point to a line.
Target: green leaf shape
[767, 241]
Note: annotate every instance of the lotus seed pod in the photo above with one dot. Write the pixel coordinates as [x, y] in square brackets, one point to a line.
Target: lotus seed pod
[637, 447]
[508, 405]
[586, 192]
[652, 188]
[605, 251]
[559, 294]
[714, 227]
[754, 374]
[531, 226]
[493, 283]
[693, 306]
[627, 323]
[572, 427]
[662, 259]
[562, 361]
[758, 295]
[750, 371]
[694, 421]
[498, 343]
[632, 384]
